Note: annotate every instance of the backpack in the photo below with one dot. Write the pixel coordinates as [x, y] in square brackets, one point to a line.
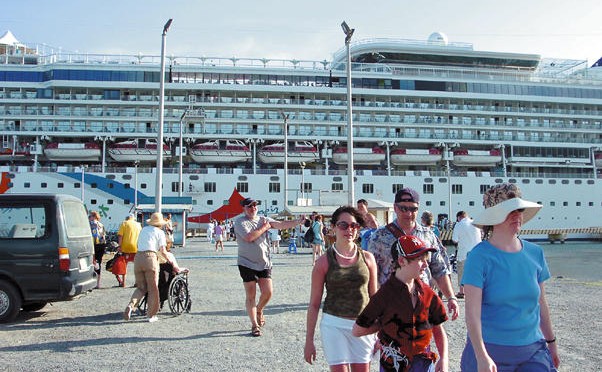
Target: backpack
[310, 235]
[98, 233]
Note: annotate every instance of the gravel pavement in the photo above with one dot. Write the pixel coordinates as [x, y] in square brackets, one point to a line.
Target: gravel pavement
[90, 334]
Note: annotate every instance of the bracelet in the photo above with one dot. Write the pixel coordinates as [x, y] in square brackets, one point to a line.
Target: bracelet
[551, 341]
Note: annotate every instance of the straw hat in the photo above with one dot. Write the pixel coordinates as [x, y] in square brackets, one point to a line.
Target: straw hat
[156, 220]
[500, 201]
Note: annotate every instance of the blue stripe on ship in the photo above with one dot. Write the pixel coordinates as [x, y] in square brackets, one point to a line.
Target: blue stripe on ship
[111, 187]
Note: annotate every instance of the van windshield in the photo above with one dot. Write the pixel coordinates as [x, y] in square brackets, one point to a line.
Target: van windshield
[76, 224]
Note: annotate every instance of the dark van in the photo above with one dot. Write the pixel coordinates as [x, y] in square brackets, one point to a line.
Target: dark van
[46, 251]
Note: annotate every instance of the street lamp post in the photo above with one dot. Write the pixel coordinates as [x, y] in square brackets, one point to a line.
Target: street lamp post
[285, 117]
[159, 173]
[348, 34]
[302, 165]
[180, 185]
[136, 184]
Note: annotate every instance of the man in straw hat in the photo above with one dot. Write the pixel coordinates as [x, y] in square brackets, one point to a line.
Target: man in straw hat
[406, 206]
[254, 262]
[507, 315]
[151, 241]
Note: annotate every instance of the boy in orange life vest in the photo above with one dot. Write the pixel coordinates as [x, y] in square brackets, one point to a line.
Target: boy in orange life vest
[406, 313]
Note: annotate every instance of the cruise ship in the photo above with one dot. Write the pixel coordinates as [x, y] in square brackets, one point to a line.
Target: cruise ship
[434, 115]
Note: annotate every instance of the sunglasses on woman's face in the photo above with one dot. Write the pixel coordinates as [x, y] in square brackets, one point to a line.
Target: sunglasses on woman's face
[344, 225]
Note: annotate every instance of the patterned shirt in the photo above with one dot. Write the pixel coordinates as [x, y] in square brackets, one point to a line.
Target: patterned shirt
[380, 246]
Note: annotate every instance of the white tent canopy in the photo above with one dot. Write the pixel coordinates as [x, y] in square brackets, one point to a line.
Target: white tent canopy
[9, 39]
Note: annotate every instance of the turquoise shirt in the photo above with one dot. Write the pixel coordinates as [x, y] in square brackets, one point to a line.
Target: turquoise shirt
[510, 283]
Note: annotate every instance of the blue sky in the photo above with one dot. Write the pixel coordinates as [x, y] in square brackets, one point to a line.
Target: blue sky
[306, 30]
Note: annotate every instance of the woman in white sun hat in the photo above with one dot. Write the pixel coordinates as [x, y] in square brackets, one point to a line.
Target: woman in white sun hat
[507, 315]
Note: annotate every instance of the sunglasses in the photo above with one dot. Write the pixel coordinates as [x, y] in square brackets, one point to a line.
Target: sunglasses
[251, 206]
[403, 208]
[344, 225]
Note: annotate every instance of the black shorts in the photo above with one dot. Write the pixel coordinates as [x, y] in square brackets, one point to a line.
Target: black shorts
[250, 275]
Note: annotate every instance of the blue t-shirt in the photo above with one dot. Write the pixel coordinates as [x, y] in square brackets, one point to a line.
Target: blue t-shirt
[510, 283]
[317, 228]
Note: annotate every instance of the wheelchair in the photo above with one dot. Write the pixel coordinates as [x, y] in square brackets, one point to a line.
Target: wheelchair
[173, 289]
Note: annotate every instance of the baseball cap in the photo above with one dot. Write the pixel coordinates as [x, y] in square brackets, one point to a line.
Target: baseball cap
[248, 201]
[407, 195]
[409, 246]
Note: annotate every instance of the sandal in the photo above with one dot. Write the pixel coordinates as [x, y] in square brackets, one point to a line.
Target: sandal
[255, 331]
[260, 318]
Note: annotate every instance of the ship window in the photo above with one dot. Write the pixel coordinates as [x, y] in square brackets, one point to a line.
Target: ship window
[306, 187]
[210, 187]
[552, 204]
[274, 178]
[428, 203]
[241, 187]
[337, 179]
[428, 189]
[590, 204]
[143, 185]
[565, 204]
[94, 185]
[109, 201]
[126, 202]
[552, 182]
[456, 189]
[396, 187]
[209, 202]
[565, 182]
[112, 176]
[525, 181]
[538, 181]
[471, 203]
[483, 188]
[60, 185]
[442, 180]
[194, 177]
[337, 187]
[577, 182]
[368, 188]
[126, 186]
[44, 185]
[125, 177]
[26, 185]
[442, 203]
[512, 180]
[274, 187]
[77, 185]
[93, 202]
[110, 185]
[242, 178]
[578, 204]
[428, 180]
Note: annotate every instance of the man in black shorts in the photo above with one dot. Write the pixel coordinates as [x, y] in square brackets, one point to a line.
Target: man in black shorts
[254, 261]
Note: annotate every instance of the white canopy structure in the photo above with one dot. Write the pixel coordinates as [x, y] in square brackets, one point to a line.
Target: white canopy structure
[9, 39]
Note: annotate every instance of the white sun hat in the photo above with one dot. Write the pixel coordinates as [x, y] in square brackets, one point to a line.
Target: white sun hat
[500, 201]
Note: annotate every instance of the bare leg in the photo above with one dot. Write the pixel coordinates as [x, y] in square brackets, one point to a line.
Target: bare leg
[250, 293]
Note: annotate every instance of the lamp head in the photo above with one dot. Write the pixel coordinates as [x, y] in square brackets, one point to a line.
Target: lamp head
[166, 27]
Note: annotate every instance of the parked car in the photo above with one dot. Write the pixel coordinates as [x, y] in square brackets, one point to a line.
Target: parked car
[46, 252]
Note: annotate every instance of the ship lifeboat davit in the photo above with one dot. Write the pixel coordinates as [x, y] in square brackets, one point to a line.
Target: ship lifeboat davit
[299, 152]
[415, 156]
[361, 155]
[142, 150]
[598, 159]
[229, 151]
[477, 158]
[85, 151]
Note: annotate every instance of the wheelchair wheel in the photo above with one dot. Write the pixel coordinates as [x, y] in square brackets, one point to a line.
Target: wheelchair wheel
[179, 297]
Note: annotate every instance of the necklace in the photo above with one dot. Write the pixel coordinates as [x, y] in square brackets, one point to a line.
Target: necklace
[343, 256]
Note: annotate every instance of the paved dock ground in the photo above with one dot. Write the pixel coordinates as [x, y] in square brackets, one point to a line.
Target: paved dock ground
[89, 333]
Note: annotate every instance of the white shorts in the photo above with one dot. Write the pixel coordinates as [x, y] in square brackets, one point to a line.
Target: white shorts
[340, 346]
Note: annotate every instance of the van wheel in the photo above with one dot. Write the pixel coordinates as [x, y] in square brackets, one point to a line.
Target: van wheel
[10, 302]
[34, 306]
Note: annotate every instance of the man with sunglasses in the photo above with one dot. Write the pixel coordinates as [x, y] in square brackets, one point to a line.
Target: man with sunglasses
[406, 207]
[254, 260]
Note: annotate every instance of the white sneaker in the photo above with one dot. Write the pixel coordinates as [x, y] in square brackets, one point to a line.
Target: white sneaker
[153, 319]
[127, 313]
